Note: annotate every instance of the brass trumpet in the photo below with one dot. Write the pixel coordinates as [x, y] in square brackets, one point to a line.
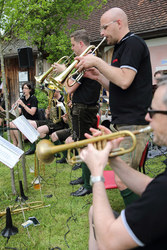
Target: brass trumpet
[80, 75]
[45, 149]
[41, 78]
[27, 207]
[63, 76]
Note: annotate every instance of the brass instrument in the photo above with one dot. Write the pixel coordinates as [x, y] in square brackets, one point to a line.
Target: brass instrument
[68, 113]
[64, 75]
[41, 78]
[45, 149]
[80, 75]
[28, 207]
[55, 111]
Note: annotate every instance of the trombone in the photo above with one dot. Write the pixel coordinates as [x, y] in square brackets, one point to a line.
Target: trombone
[45, 149]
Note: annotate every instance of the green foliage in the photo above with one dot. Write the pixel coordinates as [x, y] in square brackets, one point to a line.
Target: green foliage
[42, 98]
[46, 24]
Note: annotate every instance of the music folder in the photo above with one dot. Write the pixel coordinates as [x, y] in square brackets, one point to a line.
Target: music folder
[26, 128]
[10, 154]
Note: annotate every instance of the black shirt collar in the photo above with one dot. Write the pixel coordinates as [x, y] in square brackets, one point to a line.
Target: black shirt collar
[129, 34]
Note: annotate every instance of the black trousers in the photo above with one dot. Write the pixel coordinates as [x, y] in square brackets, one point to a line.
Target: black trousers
[83, 118]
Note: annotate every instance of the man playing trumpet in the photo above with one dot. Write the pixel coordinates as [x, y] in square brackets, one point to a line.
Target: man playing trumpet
[128, 80]
[85, 97]
[142, 224]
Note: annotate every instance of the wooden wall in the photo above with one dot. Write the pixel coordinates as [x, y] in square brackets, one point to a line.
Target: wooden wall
[12, 77]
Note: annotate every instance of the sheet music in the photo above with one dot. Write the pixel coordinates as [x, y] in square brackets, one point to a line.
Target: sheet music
[10, 154]
[26, 128]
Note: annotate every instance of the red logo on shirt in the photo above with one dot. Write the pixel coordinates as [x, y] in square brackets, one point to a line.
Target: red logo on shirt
[115, 60]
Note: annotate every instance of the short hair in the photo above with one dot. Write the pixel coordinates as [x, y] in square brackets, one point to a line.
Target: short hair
[81, 35]
[163, 82]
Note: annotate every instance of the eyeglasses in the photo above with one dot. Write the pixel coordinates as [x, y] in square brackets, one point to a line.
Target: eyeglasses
[152, 112]
[25, 88]
[105, 26]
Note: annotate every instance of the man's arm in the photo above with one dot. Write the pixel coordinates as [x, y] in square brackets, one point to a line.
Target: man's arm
[72, 89]
[135, 180]
[110, 232]
[122, 77]
[95, 74]
[107, 229]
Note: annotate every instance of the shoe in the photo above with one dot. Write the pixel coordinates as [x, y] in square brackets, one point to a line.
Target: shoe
[77, 181]
[76, 166]
[30, 152]
[62, 160]
[81, 192]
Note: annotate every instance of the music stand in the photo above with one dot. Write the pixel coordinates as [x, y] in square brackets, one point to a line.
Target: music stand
[3, 115]
[37, 181]
[10, 154]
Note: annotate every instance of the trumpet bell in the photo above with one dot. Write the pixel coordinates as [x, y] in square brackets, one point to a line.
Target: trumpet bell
[44, 151]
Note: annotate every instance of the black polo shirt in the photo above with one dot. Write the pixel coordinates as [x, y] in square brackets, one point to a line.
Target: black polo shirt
[30, 102]
[130, 106]
[88, 92]
[146, 220]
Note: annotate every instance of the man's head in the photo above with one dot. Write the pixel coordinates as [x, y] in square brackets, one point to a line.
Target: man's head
[79, 41]
[114, 25]
[57, 94]
[157, 76]
[158, 120]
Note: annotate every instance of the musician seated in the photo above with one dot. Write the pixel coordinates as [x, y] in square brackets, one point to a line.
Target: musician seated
[26, 105]
[54, 119]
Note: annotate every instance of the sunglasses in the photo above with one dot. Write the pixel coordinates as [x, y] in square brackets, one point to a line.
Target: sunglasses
[152, 112]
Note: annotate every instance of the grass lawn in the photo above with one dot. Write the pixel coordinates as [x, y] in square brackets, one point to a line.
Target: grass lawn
[64, 222]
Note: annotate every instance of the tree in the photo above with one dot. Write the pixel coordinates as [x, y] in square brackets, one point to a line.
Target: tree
[46, 24]
[9, 23]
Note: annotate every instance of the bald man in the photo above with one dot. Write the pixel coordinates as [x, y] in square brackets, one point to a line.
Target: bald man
[128, 80]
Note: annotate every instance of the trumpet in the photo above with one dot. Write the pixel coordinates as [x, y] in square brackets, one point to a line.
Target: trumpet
[41, 78]
[66, 74]
[62, 77]
[80, 75]
[27, 207]
[45, 149]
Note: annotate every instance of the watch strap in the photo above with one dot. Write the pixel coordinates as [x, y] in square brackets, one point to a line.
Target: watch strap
[94, 179]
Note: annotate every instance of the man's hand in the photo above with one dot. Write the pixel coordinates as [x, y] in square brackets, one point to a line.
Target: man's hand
[85, 62]
[97, 159]
[58, 68]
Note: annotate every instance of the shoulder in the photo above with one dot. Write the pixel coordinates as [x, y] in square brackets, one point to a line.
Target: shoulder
[136, 41]
[33, 97]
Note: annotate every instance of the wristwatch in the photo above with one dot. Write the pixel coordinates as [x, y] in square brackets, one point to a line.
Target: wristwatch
[94, 179]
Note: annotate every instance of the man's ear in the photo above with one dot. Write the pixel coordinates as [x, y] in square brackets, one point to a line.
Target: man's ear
[81, 43]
